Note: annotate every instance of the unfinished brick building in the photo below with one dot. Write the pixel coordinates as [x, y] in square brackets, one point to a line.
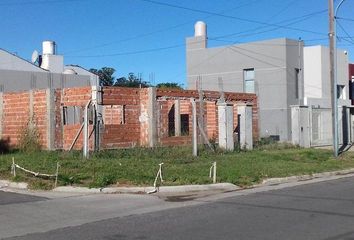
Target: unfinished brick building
[115, 117]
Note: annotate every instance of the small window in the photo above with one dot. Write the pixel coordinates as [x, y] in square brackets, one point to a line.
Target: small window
[248, 76]
[72, 115]
[297, 73]
[341, 92]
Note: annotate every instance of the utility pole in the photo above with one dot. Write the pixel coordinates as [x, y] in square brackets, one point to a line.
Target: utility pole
[332, 36]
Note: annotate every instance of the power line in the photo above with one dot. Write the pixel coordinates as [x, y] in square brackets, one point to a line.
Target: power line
[351, 40]
[230, 17]
[301, 18]
[298, 19]
[346, 19]
[129, 38]
[38, 2]
[234, 42]
[130, 53]
[153, 32]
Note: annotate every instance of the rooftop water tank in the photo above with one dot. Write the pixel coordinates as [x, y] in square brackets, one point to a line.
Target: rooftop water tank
[48, 47]
[200, 29]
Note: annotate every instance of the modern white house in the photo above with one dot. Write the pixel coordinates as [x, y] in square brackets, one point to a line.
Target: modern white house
[291, 81]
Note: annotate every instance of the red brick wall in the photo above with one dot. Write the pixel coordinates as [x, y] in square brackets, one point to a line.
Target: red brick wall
[210, 109]
[213, 96]
[16, 115]
[74, 97]
[211, 120]
[115, 134]
[127, 134]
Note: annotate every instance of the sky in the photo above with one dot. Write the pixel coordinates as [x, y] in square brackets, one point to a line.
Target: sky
[147, 37]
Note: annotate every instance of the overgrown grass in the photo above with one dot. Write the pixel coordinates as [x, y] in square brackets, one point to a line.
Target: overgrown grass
[138, 166]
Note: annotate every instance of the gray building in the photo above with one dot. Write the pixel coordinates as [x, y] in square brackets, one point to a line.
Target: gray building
[46, 71]
[272, 69]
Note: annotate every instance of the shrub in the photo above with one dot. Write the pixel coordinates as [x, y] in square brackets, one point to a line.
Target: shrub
[103, 180]
[29, 139]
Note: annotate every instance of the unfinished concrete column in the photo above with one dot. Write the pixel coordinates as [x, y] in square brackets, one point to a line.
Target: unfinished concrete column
[50, 99]
[152, 120]
[300, 126]
[194, 128]
[177, 117]
[225, 125]
[245, 125]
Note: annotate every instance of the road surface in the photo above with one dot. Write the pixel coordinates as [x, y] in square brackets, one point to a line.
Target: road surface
[322, 210]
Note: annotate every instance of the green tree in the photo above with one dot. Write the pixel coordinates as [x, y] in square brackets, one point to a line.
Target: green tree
[105, 75]
[169, 85]
[131, 81]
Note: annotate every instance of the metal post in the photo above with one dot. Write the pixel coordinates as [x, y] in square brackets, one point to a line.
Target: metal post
[332, 60]
[56, 175]
[86, 133]
[194, 126]
[214, 173]
[336, 70]
[13, 168]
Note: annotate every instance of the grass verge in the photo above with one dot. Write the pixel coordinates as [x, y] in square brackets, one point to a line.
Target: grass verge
[138, 166]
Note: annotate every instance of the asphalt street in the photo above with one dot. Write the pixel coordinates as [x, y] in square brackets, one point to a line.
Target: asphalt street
[13, 198]
[323, 210]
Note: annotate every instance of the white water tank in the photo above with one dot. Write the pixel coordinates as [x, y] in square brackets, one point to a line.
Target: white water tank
[48, 47]
[200, 29]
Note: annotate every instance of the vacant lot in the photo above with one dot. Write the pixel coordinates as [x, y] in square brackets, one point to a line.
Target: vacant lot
[139, 166]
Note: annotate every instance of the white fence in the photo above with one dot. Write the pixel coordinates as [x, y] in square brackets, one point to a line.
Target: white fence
[312, 127]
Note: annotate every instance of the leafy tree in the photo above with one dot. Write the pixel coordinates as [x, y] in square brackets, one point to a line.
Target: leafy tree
[105, 75]
[169, 85]
[131, 81]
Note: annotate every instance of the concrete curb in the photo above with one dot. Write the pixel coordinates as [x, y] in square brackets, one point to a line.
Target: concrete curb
[15, 185]
[277, 181]
[71, 189]
[163, 189]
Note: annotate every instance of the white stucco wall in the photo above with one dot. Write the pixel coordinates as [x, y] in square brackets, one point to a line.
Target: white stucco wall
[317, 84]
